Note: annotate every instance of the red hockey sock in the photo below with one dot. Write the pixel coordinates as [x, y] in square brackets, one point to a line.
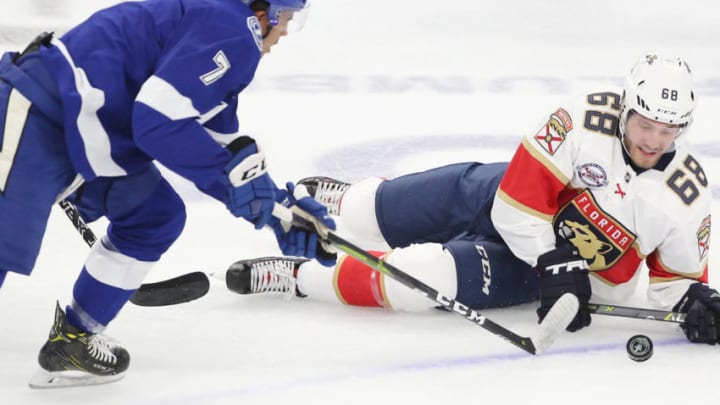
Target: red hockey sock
[358, 284]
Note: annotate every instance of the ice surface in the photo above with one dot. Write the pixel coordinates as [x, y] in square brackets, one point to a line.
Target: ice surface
[382, 88]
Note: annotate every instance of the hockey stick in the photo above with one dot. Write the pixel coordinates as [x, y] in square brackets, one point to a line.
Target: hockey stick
[177, 290]
[639, 313]
[554, 323]
[184, 288]
[74, 216]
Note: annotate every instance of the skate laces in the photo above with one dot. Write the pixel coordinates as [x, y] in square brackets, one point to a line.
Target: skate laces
[100, 348]
[273, 276]
[329, 192]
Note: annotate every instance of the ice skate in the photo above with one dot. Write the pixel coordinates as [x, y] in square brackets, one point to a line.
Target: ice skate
[327, 191]
[71, 357]
[265, 274]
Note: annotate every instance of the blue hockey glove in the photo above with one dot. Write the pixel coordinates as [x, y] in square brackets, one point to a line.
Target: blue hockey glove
[251, 193]
[300, 242]
[563, 271]
[702, 306]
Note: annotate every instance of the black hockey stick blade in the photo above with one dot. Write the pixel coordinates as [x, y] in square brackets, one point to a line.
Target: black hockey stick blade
[177, 290]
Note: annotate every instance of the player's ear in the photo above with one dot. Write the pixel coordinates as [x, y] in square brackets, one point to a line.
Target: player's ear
[262, 16]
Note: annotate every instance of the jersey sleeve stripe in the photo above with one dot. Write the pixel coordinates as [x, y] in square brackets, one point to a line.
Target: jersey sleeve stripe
[156, 93]
[660, 272]
[523, 208]
[531, 181]
[83, 104]
[542, 159]
[622, 271]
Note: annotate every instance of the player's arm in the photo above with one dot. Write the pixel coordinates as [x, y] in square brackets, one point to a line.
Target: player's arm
[679, 266]
[531, 190]
[537, 183]
[185, 117]
[530, 194]
[193, 87]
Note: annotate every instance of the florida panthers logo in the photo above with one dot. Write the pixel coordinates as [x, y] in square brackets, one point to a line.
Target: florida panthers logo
[600, 239]
[703, 237]
[590, 246]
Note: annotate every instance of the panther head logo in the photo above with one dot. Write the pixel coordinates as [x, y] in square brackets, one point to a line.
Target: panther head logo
[591, 248]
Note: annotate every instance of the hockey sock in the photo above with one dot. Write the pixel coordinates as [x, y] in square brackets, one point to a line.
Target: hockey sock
[359, 285]
[95, 303]
[105, 284]
[3, 273]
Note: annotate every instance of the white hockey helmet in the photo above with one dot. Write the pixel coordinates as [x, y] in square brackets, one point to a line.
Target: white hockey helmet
[660, 89]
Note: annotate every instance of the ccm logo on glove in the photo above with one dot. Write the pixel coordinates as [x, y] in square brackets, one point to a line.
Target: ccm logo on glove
[248, 169]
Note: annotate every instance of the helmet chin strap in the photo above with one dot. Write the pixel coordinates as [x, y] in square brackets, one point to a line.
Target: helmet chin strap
[622, 142]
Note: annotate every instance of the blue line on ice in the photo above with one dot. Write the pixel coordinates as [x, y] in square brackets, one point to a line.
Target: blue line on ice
[284, 386]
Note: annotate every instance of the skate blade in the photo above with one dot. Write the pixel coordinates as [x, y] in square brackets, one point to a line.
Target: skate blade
[44, 379]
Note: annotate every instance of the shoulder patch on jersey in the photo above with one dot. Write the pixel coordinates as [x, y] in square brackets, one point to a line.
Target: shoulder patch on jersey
[562, 118]
[553, 133]
[703, 237]
[600, 238]
[223, 65]
[592, 175]
[253, 25]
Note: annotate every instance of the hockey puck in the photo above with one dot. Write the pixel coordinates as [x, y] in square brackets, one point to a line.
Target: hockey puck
[639, 348]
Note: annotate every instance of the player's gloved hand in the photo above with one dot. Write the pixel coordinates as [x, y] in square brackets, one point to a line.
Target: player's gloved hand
[251, 193]
[702, 306]
[563, 271]
[297, 241]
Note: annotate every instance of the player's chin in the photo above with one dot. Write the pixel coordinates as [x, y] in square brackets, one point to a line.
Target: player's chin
[645, 160]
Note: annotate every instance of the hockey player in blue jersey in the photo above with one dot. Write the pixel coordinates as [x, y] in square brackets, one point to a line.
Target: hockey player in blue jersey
[85, 115]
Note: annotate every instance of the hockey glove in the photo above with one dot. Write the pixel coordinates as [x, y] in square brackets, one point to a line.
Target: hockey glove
[300, 242]
[563, 271]
[251, 193]
[702, 306]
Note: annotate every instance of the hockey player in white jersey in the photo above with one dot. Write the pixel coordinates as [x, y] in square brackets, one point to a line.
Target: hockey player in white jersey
[137, 82]
[606, 183]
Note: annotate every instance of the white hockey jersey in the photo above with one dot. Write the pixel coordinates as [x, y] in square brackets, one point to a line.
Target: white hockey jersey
[573, 175]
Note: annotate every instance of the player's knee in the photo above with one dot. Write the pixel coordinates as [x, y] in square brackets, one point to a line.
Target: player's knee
[169, 214]
[153, 227]
[490, 276]
[429, 263]
[175, 218]
[357, 210]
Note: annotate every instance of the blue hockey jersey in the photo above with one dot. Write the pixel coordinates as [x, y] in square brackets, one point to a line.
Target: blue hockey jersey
[156, 80]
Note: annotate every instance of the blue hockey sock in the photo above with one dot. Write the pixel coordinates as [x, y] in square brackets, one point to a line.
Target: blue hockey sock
[95, 304]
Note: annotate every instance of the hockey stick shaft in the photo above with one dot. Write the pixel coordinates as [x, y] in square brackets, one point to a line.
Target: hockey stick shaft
[177, 290]
[638, 313]
[301, 219]
[72, 213]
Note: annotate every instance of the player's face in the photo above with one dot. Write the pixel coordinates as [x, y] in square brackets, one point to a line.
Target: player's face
[646, 140]
[277, 31]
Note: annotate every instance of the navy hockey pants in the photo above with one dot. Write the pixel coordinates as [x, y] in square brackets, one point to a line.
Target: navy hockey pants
[451, 205]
